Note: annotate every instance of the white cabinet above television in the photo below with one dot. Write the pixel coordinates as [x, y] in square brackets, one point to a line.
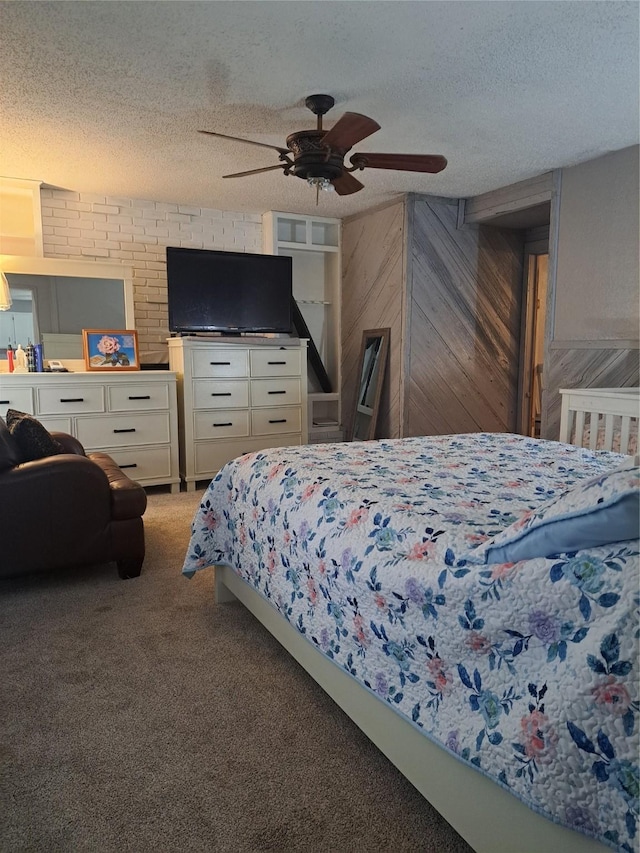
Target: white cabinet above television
[313, 243]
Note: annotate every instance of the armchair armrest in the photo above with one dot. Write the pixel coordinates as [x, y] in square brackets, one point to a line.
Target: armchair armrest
[56, 480]
[128, 498]
[68, 442]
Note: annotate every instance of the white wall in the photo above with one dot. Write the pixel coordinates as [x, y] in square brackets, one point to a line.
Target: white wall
[595, 335]
[137, 232]
[598, 274]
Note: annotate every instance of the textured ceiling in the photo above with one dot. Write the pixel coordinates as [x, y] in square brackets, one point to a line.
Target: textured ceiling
[107, 97]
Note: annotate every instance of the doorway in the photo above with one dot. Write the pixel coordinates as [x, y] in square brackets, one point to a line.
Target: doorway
[534, 302]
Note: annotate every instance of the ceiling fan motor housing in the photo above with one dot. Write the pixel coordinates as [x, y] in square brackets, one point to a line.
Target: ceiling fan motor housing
[311, 158]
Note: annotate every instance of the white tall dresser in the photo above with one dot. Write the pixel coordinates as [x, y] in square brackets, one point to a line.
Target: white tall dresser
[236, 396]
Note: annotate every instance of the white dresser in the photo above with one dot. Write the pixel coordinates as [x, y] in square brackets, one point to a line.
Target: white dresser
[131, 416]
[236, 398]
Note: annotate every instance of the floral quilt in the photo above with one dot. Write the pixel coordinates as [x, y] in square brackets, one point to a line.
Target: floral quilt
[527, 671]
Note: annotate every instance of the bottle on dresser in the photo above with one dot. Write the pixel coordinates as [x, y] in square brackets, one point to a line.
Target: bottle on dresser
[20, 360]
[31, 357]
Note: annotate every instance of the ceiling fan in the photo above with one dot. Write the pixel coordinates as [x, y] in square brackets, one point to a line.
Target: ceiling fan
[318, 155]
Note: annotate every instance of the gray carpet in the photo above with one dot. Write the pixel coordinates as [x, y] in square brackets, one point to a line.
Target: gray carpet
[138, 716]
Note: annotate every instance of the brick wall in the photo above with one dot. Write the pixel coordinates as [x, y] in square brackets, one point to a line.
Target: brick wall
[136, 233]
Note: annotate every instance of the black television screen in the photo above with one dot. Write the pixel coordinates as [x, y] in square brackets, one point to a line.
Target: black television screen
[232, 292]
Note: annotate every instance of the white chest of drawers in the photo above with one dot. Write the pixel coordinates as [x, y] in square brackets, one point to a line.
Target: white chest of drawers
[236, 398]
[131, 416]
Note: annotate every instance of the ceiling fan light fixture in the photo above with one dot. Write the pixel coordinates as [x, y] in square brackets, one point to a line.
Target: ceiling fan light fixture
[321, 184]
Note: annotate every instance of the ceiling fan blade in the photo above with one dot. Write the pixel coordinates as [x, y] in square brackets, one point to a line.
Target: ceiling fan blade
[347, 184]
[402, 162]
[248, 141]
[349, 129]
[255, 171]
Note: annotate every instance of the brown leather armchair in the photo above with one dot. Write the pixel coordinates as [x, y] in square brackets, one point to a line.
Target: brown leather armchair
[67, 510]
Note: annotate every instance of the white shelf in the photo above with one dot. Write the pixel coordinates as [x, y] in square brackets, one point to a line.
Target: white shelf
[294, 231]
[313, 243]
[321, 395]
[318, 247]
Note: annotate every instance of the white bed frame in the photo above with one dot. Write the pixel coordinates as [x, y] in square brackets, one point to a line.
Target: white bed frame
[487, 816]
[599, 407]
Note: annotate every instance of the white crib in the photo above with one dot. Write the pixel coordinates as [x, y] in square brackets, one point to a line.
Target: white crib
[601, 418]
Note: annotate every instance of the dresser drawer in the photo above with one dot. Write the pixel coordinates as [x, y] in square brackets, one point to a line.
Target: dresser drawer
[276, 420]
[275, 363]
[221, 424]
[15, 398]
[220, 393]
[275, 392]
[223, 363]
[144, 463]
[70, 399]
[210, 456]
[57, 424]
[138, 397]
[124, 430]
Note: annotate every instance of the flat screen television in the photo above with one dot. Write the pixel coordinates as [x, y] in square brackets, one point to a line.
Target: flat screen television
[228, 292]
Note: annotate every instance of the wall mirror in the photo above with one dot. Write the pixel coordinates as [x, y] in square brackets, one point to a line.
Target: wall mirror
[55, 299]
[371, 371]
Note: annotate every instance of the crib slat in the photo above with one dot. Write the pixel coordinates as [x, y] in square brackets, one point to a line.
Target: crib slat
[608, 433]
[625, 428]
[593, 436]
[566, 421]
[578, 438]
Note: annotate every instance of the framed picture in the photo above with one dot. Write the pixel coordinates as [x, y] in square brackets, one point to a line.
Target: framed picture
[110, 349]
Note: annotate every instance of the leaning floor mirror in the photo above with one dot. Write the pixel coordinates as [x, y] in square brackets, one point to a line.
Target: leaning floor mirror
[371, 371]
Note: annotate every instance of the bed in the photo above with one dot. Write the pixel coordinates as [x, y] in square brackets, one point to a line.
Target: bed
[505, 690]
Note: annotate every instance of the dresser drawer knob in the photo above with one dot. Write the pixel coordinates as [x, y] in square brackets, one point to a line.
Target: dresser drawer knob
[130, 465]
[276, 392]
[72, 399]
[230, 423]
[3, 402]
[220, 363]
[276, 362]
[278, 421]
[130, 429]
[221, 393]
[141, 397]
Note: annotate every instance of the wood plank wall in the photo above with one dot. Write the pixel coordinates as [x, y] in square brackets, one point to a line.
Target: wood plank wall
[451, 297]
[515, 197]
[373, 298]
[584, 367]
[465, 305]
[450, 288]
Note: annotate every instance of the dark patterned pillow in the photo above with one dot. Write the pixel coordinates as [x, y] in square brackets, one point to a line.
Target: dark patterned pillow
[33, 439]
